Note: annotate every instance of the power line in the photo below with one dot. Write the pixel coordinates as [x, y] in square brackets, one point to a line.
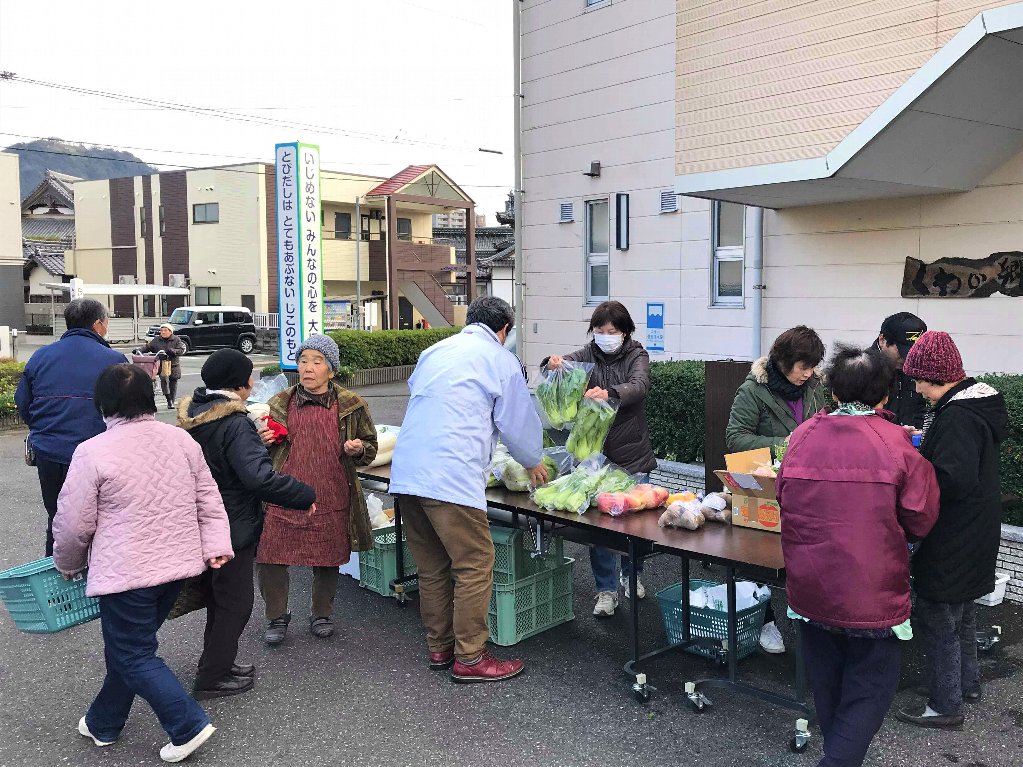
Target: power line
[218, 113]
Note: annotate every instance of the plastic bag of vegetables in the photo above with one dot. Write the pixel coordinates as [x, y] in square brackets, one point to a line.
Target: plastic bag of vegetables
[515, 477]
[500, 457]
[639, 498]
[561, 391]
[591, 427]
[572, 492]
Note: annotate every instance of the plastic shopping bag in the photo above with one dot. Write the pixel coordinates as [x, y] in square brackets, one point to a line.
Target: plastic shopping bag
[574, 491]
[266, 388]
[560, 393]
[591, 426]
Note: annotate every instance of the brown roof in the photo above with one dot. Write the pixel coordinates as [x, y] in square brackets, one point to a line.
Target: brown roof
[394, 183]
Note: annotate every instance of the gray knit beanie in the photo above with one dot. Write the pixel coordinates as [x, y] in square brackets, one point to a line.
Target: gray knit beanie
[326, 346]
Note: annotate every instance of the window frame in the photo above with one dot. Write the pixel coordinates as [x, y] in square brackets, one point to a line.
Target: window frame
[726, 254]
[205, 208]
[143, 221]
[207, 289]
[591, 258]
[339, 232]
[404, 236]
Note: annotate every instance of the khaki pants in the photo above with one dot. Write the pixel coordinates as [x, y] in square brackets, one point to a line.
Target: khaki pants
[454, 556]
[274, 585]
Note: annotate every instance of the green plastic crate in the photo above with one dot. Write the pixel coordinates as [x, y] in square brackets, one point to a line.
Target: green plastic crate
[379, 566]
[531, 605]
[709, 623]
[512, 549]
[40, 601]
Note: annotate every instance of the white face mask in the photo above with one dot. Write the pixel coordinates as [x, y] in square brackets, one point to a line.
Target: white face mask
[608, 343]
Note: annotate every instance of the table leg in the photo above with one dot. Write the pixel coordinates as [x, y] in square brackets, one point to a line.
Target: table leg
[398, 584]
[733, 628]
[633, 578]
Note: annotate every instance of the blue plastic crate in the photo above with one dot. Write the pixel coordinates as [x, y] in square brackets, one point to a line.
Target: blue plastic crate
[40, 601]
[707, 623]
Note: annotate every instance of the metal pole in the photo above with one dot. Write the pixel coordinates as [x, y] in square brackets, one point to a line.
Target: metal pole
[358, 264]
[53, 313]
[519, 255]
[757, 301]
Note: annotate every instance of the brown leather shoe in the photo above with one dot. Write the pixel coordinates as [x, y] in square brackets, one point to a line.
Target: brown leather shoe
[486, 669]
[939, 722]
[441, 661]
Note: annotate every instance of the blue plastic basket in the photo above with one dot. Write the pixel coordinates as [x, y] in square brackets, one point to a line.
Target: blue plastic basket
[40, 601]
[707, 623]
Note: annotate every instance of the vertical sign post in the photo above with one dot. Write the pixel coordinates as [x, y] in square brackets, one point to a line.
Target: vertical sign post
[299, 254]
[655, 328]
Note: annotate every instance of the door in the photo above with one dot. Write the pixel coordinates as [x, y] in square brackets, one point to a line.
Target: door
[404, 313]
[207, 331]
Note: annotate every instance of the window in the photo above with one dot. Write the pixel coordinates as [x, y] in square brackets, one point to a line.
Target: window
[207, 296]
[597, 249]
[342, 226]
[208, 318]
[142, 221]
[180, 316]
[163, 223]
[206, 213]
[727, 272]
[249, 301]
[405, 229]
[236, 317]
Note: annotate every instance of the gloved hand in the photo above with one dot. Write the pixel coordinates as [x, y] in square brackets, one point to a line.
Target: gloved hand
[136, 351]
[161, 353]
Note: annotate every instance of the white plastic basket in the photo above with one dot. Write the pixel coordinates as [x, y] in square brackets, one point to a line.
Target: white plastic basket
[996, 596]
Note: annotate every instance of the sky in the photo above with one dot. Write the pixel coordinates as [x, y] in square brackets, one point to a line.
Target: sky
[378, 84]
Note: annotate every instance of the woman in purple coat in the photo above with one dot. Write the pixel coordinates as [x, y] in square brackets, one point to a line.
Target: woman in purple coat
[853, 493]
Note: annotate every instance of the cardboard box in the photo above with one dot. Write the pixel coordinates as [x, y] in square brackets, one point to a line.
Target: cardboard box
[754, 499]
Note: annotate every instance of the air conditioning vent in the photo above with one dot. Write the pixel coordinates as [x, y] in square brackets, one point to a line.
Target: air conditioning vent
[126, 279]
[669, 202]
[567, 213]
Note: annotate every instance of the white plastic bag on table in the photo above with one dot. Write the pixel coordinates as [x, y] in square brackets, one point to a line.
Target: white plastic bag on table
[387, 439]
[717, 507]
[687, 515]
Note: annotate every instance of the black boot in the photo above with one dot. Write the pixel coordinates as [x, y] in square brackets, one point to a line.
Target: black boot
[277, 629]
[229, 685]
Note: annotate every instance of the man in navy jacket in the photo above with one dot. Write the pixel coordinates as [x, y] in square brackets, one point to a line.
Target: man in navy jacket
[54, 396]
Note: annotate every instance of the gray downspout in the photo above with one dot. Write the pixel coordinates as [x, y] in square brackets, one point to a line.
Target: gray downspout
[757, 300]
[520, 339]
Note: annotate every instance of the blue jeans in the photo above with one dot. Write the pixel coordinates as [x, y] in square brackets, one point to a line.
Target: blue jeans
[130, 621]
[602, 561]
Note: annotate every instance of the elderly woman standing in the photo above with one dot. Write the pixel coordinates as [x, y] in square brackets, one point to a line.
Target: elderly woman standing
[140, 509]
[169, 348]
[330, 432]
[781, 391]
[853, 493]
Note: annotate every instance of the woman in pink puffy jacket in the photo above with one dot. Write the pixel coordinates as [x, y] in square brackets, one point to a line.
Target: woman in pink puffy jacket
[140, 509]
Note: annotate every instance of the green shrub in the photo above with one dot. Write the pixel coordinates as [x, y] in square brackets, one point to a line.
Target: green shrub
[1011, 387]
[386, 348]
[675, 410]
[10, 370]
[270, 370]
[10, 374]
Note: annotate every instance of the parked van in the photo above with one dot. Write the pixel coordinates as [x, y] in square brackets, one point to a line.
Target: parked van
[212, 327]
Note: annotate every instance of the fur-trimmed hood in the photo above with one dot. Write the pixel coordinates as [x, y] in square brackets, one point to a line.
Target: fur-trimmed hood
[203, 408]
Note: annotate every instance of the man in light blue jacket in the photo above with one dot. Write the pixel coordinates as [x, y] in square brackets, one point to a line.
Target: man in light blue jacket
[466, 392]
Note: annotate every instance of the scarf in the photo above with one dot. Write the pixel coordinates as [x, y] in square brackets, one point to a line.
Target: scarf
[782, 386]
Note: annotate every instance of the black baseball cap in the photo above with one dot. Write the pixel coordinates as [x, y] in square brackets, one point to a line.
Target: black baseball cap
[903, 329]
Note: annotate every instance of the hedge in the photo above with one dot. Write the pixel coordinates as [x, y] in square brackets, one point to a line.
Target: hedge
[675, 413]
[10, 373]
[675, 410]
[386, 348]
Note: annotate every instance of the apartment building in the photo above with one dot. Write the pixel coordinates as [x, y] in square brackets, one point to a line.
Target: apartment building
[214, 231]
[756, 165]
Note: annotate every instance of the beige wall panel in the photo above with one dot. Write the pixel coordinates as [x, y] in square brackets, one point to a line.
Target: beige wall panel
[615, 152]
[786, 149]
[835, 281]
[652, 89]
[339, 260]
[990, 204]
[839, 123]
[696, 225]
[587, 148]
[969, 242]
[601, 128]
[553, 260]
[863, 249]
[695, 254]
[1011, 172]
[696, 10]
[10, 210]
[907, 28]
[622, 70]
[569, 286]
[95, 266]
[866, 216]
[92, 214]
[693, 204]
[622, 178]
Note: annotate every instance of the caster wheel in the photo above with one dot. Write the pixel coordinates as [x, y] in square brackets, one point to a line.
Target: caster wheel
[697, 707]
[642, 696]
[796, 747]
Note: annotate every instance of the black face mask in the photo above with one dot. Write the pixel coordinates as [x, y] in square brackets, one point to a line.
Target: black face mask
[782, 386]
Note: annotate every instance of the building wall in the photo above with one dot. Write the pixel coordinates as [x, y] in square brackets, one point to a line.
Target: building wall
[839, 268]
[764, 82]
[12, 299]
[600, 86]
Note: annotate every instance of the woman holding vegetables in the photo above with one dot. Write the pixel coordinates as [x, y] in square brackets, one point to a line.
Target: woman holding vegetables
[621, 371]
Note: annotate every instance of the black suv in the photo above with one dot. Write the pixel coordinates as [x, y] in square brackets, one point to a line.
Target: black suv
[212, 327]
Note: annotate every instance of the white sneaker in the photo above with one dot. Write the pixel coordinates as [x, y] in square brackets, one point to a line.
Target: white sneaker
[607, 602]
[640, 590]
[172, 753]
[83, 730]
[770, 639]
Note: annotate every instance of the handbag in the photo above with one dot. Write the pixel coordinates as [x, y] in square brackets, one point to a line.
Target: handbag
[194, 595]
[30, 454]
[165, 369]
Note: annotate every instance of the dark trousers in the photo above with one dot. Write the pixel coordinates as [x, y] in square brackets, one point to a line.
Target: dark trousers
[228, 608]
[51, 480]
[853, 682]
[130, 621]
[274, 584]
[169, 387]
[949, 634]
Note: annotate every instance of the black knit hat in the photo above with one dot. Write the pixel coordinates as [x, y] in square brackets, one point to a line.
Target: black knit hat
[226, 369]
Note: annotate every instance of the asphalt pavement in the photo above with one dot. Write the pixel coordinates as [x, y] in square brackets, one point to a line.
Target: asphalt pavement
[365, 696]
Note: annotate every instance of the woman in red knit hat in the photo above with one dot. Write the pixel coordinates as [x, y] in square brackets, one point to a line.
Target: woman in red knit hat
[956, 561]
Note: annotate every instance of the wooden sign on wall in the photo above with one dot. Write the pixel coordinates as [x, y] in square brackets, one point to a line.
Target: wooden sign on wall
[964, 277]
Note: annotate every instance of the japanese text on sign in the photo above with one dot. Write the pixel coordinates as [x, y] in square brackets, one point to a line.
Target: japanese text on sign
[299, 257]
[964, 277]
